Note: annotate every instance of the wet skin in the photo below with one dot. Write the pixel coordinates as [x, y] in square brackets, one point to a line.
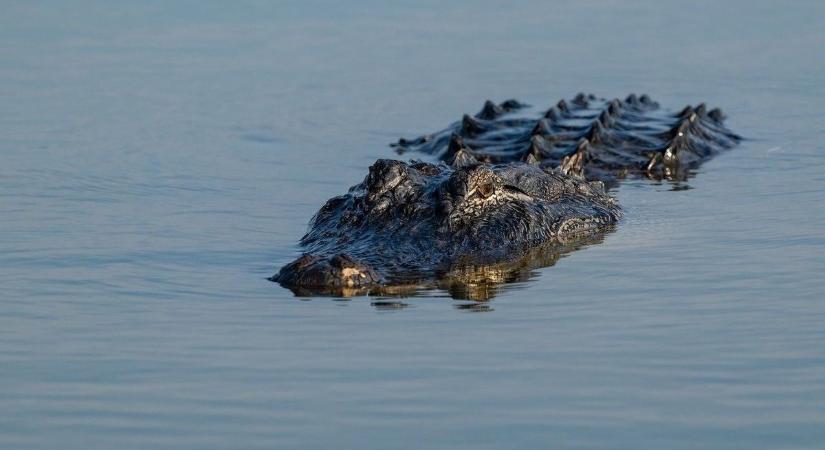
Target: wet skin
[511, 193]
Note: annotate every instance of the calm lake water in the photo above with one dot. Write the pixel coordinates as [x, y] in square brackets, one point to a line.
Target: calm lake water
[159, 161]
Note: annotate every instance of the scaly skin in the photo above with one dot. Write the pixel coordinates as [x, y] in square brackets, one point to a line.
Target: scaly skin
[590, 137]
[413, 224]
[510, 195]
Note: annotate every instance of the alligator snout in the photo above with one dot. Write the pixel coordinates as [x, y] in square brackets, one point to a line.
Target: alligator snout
[341, 270]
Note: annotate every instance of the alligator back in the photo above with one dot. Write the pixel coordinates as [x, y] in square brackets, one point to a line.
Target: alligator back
[592, 137]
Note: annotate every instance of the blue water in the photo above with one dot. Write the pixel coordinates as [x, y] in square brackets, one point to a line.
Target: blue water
[158, 161]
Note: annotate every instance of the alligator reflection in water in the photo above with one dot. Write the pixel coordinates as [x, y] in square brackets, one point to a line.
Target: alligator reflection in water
[482, 283]
[479, 283]
[464, 280]
[511, 194]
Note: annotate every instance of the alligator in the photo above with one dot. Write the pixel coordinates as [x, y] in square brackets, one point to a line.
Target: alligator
[417, 224]
[587, 136]
[510, 193]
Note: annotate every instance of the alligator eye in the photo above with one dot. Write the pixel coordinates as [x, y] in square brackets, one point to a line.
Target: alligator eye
[486, 190]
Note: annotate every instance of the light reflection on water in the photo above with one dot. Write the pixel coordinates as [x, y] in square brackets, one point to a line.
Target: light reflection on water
[158, 163]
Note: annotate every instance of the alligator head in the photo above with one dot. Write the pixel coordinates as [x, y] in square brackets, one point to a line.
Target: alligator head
[413, 224]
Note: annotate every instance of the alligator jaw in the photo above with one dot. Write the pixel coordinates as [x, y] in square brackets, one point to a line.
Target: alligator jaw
[339, 271]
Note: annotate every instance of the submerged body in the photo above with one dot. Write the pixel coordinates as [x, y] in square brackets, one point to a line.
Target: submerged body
[511, 193]
[595, 138]
[410, 224]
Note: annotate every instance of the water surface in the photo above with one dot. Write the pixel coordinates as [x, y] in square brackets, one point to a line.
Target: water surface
[159, 161]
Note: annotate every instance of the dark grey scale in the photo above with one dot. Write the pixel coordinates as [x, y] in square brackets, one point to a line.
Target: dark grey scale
[698, 126]
[581, 100]
[594, 160]
[537, 150]
[685, 112]
[608, 120]
[603, 125]
[640, 103]
[680, 126]
[711, 132]
[512, 105]
[458, 154]
[491, 111]
[437, 142]
[472, 127]
[542, 128]
[631, 115]
[687, 144]
[647, 102]
[461, 150]
[596, 133]
[463, 158]
[573, 161]
[614, 108]
[553, 114]
[716, 115]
